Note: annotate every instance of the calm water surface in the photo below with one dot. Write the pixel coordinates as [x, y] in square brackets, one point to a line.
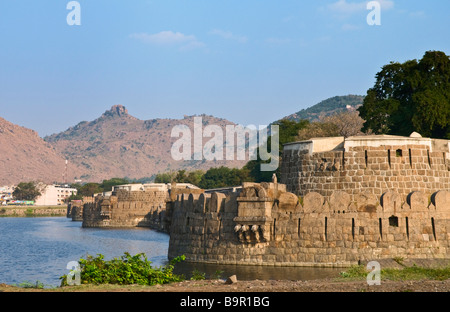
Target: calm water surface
[38, 249]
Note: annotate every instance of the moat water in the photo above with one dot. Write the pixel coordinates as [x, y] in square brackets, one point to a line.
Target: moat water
[39, 249]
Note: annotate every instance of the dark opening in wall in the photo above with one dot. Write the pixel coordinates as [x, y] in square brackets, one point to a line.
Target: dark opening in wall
[299, 221]
[365, 157]
[380, 225]
[407, 227]
[389, 157]
[410, 158]
[187, 221]
[393, 221]
[274, 227]
[343, 160]
[429, 159]
[353, 228]
[326, 228]
[433, 227]
[399, 153]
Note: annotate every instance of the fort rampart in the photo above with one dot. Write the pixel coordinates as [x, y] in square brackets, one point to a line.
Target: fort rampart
[341, 201]
[265, 225]
[131, 206]
[366, 164]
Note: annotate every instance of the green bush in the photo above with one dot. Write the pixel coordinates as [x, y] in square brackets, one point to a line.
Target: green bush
[197, 275]
[127, 270]
[27, 284]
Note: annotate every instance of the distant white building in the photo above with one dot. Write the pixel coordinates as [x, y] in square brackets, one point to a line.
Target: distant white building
[6, 194]
[152, 186]
[53, 195]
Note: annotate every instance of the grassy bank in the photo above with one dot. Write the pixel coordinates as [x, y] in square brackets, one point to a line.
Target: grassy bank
[414, 272]
[33, 211]
[135, 274]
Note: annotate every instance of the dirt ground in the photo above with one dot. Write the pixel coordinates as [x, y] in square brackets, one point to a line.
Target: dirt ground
[259, 286]
[306, 286]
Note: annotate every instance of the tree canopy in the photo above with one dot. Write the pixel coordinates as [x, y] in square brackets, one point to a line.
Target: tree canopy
[288, 131]
[91, 188]
[212, 178]
[223, 177]
[26, 191]
[410, 96]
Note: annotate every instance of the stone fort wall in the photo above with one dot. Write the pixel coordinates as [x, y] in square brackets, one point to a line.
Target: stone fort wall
[341, 201]
[367, 164]
[131, 208]
[264, 225]
[126, 209]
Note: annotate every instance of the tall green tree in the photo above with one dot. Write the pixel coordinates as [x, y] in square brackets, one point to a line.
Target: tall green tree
[107, 185]
[193, 177]
[410, 96]
[288, 131]
[26, 191]
[165, 177]
[89, 189]
[224, 177]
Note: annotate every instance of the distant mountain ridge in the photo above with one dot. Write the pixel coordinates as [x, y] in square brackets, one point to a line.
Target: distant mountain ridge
[328, 107]
[24, 156]
[119, 145]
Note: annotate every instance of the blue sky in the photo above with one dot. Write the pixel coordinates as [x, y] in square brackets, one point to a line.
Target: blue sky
[249, 61]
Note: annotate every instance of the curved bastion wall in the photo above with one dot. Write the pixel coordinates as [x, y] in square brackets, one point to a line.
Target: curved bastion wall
[341, 201]
[262, 224]
[131, 206]
[369, 164]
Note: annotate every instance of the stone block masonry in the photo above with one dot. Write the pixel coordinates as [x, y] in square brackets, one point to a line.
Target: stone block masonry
[262, 224]
[126, 209]
[367, 164]
[150, 207]
[341, 202]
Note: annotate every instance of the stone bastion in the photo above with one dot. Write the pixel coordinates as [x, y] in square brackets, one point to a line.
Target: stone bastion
[366, 164]
[262, 224]
[340, 201]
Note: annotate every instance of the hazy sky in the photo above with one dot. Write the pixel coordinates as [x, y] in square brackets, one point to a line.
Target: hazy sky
[249, 61]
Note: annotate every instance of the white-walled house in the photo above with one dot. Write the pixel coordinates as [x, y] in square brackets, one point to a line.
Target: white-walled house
[53, 195]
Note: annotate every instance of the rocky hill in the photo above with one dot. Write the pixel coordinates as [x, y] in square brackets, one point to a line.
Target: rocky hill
[24, 156]
[328, 107]
[119, 145]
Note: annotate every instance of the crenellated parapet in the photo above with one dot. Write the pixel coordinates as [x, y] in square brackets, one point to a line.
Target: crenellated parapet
[371, 164]
[127, 209]
[263, 224]
[146, 205]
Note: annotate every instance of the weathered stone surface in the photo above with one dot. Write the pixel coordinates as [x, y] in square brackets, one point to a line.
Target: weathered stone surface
[256, 231]
[441, 201]
[374, 164]
[339, 201]
[366, 202]
[313, 202]
[231, 280]
[418, 201]
[288, 201]
[391, 202]
[363, 202]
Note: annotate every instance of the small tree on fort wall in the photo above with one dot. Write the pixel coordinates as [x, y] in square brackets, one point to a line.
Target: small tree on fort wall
[26, 191]
[346, 124]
